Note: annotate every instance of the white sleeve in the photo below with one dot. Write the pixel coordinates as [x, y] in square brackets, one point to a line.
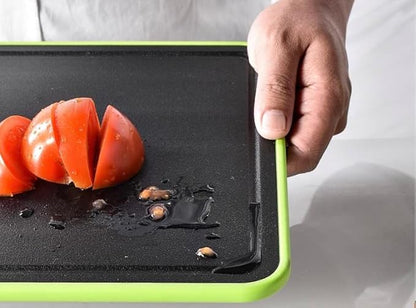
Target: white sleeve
[19, 20]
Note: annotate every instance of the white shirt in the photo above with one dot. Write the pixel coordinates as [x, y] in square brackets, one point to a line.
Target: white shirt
[93, 20]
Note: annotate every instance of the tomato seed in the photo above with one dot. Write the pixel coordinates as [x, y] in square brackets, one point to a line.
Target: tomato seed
[206, 252]
[153, 193]
[157, 211]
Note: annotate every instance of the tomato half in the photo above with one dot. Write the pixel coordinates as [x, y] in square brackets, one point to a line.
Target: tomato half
[121, 150]
[40, 150]
[14, 177]
[77, 134]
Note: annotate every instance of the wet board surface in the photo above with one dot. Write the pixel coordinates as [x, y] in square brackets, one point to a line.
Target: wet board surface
[193, 108]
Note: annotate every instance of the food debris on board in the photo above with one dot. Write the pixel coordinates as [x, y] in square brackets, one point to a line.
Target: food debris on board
[206, 252]
[57, 222]
[26, 213]
[157, 211]
[154, 193]
[99, 204]
[212, 236]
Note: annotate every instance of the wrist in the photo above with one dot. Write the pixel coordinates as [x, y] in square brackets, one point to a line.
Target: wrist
[339, 10]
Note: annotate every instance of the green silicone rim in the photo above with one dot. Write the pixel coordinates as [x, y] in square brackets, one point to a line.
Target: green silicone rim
[171, 291]
[127, 43]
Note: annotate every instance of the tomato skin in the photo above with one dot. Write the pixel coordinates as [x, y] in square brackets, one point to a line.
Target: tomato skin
[77, 134]
[121, 150]
[12, 130]
[14, 177]
[40, 150]
[11, 185]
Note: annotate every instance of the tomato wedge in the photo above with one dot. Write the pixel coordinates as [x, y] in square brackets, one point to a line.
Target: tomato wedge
[11, 185]
[121, 150]
[40, 150]
[64, 143]
[14, 177]
[77, 134]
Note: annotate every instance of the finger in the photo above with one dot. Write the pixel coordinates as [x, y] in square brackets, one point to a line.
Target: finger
[342, 124]
[308, 141]
[275, 92]
[321, 108]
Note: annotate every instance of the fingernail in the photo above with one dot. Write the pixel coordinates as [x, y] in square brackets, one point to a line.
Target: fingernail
[273, 120]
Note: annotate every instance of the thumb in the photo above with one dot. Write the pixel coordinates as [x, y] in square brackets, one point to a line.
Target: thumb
[275, 93]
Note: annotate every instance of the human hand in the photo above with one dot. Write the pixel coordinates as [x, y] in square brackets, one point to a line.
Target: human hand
[297, 47]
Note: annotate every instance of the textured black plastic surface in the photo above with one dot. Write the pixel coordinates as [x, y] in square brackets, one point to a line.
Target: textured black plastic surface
[193, 108]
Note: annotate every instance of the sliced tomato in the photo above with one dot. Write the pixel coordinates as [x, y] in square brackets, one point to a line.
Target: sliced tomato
[77, 134]
[60, 145]
[14, 177]
[121, 150]
[40, 150]
[11, 185]
[12, 130]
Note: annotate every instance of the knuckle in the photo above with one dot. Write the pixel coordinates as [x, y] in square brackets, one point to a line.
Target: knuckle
[336, 90]
[349, 87]
[308, 157]
[338, 97]
[310, 162]
[282, 38]
[271, 30]
[279, 86]
[345, 89]
[341, 125]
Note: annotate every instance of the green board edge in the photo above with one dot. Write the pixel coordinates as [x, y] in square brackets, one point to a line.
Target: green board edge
[125, 43]
[170, 291]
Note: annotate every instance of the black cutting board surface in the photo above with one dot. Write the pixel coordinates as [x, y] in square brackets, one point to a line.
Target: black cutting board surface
[193, 109]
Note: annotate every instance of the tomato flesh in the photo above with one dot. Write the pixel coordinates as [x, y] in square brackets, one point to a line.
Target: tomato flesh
[77, 134]
[121, 150]
[14, 177]
[40, 150]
